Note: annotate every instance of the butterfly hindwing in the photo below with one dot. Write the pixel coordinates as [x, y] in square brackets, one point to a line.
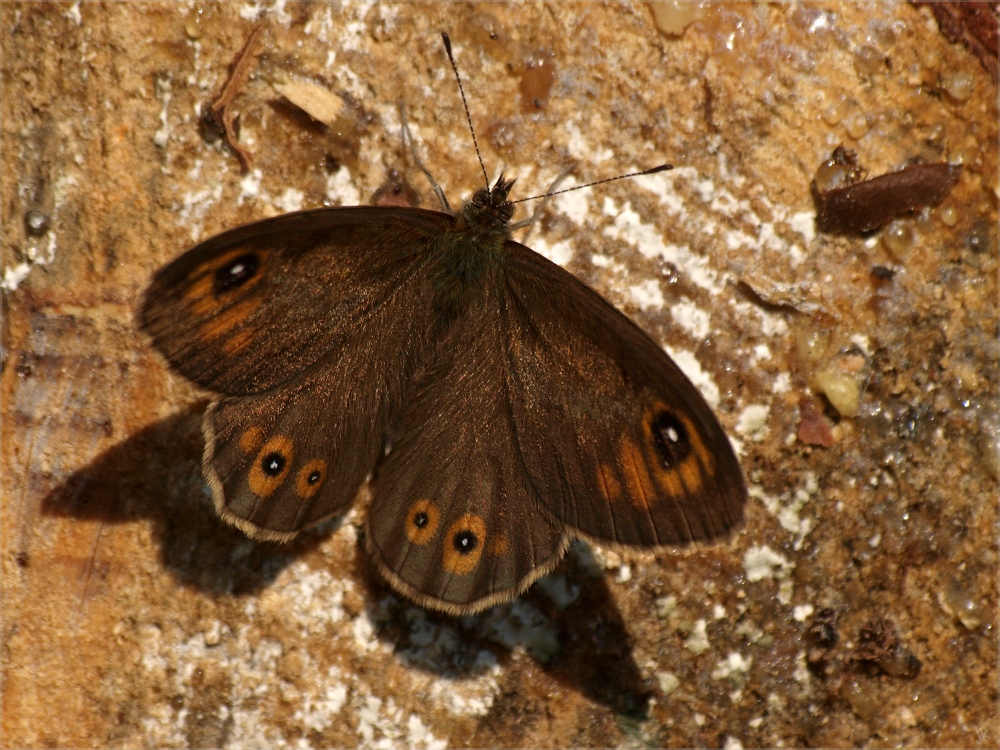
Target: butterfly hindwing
[291, 458]
[621, 446]
[455, 522]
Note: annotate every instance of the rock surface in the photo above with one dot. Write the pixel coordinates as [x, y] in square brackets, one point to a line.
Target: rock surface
[858, 607]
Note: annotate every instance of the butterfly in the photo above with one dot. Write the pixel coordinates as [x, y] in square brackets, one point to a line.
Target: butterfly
[500, 407]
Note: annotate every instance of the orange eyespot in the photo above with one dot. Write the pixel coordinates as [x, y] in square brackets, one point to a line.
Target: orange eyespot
[676, 459]
[271, 466]
[210, 282]
[668, 435]
[310, 478]
[463, 544]
[236, 273]
[673, 460]
[422, 521]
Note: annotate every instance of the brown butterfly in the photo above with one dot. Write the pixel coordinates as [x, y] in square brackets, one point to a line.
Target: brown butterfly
[501, 407]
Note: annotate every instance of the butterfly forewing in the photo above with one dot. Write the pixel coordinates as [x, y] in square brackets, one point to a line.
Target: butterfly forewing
[253, 307]
[621, 446]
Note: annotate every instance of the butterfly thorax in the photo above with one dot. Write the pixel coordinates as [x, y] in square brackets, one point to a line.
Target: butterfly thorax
[472, 250]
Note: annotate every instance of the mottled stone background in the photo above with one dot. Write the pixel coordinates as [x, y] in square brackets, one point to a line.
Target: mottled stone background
[857, 607]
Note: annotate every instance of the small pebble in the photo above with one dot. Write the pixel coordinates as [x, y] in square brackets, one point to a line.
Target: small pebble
[668, 682]
[949, 216]
[959, 86]
[676, 15]
[832, 114]
[36, 222]
[862, 700]
[812, 344]
[842, 380]
[960, 602]
[858, 125]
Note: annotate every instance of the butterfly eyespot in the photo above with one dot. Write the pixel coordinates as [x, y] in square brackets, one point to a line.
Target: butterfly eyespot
[271, 466]
[310, 478]
[676, 460]
[670, 438]
[209, 284]
[235, 273]
[464, 544]
[422, 521]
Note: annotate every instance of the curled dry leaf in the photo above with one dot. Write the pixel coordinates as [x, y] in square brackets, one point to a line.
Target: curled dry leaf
[319, 103]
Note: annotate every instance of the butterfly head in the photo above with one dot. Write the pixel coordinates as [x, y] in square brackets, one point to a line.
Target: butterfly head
[496, 196]
[488, 210]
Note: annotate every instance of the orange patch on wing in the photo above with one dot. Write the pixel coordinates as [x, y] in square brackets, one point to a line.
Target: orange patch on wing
[638, 482]
[261, 483]
[499, 546]
[303, 487]
[608, 484]
[199, 296]
[224, 322]
[699, 448]
[671, 481]
[238, 342]
[461, 563]
[422, 534]
[251, 439]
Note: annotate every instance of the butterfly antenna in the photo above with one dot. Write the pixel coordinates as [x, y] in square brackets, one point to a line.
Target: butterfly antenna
[654, 170]
[454, 67]
[530, 221]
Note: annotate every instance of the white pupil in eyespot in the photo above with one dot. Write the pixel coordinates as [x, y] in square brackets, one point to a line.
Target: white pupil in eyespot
[672, 435]
[236, 269]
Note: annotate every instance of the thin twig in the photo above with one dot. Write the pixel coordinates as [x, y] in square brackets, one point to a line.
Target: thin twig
[220, 112]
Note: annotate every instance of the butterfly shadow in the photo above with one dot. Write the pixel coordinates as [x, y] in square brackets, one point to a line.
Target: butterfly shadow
[568, 623]
[156, 475]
